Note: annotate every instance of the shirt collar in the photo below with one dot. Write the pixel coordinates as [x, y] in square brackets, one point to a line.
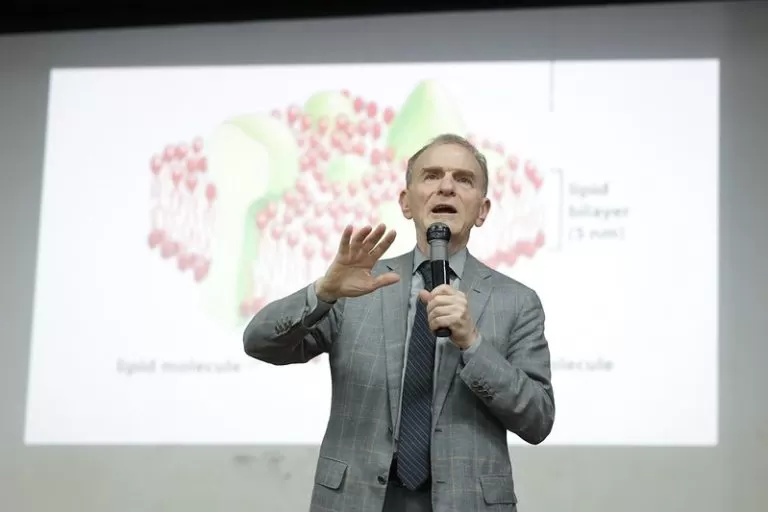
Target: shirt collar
[456, 261]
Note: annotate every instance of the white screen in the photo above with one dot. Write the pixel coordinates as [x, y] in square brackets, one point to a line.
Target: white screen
[604, 184]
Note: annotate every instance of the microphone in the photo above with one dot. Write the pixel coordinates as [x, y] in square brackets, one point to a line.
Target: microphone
[438, 236]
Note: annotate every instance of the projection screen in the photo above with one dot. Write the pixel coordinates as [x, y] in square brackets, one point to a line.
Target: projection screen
[217, 189]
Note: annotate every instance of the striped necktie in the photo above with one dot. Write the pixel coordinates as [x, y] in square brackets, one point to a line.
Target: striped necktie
[413, 456]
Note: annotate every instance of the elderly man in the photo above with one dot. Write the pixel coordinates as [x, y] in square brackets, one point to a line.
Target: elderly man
[419, 422]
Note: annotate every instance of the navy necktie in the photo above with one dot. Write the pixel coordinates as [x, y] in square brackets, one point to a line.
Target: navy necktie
[413, 456]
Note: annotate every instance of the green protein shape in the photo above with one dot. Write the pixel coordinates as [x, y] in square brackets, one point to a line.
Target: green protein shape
[427, 112]
[329, 105]
[241, 168]
[280, 144]
[347, 168]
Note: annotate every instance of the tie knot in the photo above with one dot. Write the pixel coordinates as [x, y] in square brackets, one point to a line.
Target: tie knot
[425, 269]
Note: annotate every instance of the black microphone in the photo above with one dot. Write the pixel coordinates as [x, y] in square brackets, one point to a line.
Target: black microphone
[438, 236]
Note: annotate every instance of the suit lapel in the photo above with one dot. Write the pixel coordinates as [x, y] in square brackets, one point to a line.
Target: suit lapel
[476, 285]
[395, 312]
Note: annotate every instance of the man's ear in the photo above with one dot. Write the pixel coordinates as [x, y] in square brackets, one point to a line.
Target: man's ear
[404, 206]
[485, 208]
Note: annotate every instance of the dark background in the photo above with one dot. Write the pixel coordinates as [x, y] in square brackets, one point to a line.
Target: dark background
[40, 15]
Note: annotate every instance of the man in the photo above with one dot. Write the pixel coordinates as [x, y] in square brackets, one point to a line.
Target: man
[419, 423]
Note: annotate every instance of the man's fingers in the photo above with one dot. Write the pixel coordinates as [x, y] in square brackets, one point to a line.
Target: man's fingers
[445, 289]
[444, 296]
[438, 298]
[436, 302]
[383, 245]
[446, 320]
[435, 310]
[386, 279]
[373, 237]
[344, 242]
[357, 239]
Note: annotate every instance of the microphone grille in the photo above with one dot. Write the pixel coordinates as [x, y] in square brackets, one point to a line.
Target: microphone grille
[438, 231]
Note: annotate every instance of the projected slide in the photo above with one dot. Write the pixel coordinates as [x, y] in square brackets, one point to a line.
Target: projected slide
[177, 202]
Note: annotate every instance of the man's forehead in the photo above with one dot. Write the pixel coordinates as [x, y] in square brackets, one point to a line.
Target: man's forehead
[448, 158]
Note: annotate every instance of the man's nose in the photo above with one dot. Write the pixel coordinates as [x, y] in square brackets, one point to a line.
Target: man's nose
[447, 185]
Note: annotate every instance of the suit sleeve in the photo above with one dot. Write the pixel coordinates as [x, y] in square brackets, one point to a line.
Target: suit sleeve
[515, 384]
[294, 329]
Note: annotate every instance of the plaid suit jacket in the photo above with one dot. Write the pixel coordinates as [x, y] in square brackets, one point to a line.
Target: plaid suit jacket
[505, 386]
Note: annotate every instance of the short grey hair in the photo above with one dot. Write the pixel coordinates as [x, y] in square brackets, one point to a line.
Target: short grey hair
[450, 138]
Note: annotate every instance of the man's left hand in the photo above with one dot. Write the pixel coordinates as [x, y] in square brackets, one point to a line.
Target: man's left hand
[448, 307]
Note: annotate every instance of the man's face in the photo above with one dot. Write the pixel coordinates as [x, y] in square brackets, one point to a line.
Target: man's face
[446, 186]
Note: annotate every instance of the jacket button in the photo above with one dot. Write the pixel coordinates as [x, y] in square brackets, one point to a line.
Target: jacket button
[382, 480]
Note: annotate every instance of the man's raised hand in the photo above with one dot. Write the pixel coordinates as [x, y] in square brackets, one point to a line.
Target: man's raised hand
[350, 272]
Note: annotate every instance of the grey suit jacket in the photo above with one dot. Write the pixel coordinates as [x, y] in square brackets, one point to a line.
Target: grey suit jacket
[504, 386]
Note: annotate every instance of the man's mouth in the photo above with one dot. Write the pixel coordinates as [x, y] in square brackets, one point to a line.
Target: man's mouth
[444, 209]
